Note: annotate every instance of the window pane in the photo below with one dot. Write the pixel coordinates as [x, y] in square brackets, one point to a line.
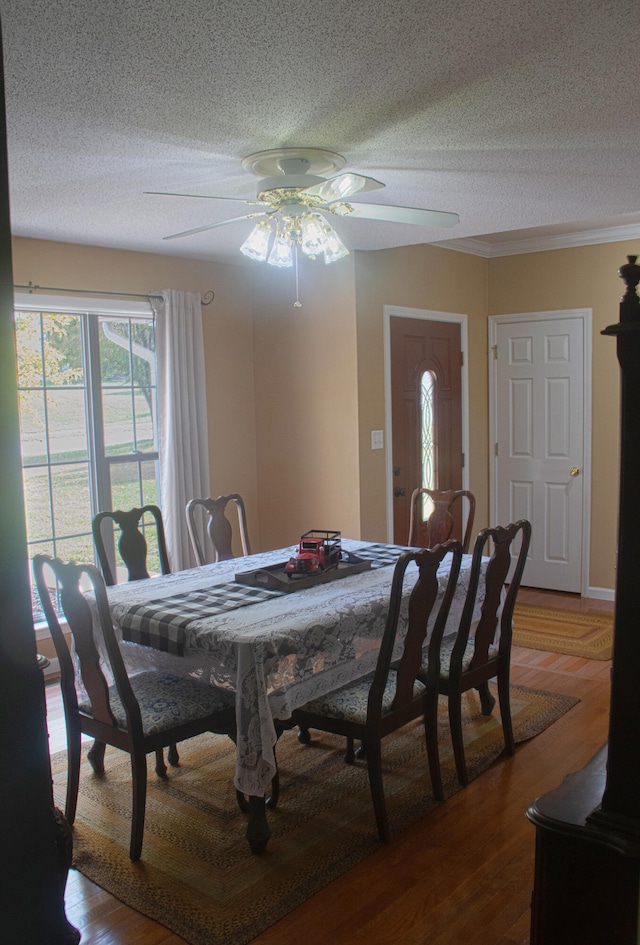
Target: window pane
[62, 346]
[79, 549]
[70, 489]
[117, 412]
[125, 486]
[149, 472]
[32, 427]
[29, 349]
[67, 421]
[37, 505]
[151, 535]
[115, 361]
[144, 421]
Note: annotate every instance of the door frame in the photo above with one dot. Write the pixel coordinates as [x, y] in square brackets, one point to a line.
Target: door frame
[399, 311]
[585, 316]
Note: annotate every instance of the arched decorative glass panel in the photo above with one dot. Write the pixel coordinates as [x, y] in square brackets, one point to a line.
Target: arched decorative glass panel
[427, 438]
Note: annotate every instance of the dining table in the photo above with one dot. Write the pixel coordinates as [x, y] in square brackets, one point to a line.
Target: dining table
[275, 649]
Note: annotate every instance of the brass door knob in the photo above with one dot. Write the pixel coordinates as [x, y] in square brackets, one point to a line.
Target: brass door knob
[574, 471]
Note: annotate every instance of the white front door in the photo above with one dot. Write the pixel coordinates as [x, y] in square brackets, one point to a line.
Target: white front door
[540, 424]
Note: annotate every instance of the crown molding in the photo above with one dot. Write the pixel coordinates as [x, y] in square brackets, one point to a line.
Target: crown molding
[539, 244]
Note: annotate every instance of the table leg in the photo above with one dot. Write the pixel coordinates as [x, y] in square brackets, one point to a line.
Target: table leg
[258, 831]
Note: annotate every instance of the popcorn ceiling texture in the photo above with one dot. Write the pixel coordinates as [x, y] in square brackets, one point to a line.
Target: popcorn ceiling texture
[513, 115]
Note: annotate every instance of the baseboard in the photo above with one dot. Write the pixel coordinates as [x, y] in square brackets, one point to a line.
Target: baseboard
[601, 593]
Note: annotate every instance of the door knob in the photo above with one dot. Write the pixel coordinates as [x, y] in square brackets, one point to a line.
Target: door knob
[574, 471]
[399, 491]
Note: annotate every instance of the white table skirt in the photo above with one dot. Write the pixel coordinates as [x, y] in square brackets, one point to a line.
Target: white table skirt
[280, 653]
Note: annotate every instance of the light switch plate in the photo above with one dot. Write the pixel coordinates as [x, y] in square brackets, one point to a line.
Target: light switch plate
[377, 439]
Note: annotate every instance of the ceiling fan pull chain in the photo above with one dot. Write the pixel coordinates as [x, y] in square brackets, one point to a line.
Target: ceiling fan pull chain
[297, 303]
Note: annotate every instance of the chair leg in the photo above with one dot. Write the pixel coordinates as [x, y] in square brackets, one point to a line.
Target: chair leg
[172, 756]
[349, 754]
[139, 779]
[161, 768]
[96, 756]
[487, 700]
[374, 770]
[74, 751]
[433, 752]
[455, 724]
[505, 711]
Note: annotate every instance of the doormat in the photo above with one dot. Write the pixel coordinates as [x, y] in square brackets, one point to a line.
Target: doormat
[560, 631]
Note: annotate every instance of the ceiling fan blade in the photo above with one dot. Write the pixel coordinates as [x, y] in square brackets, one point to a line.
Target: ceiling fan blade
[377, 211]
[167, 193]
[345, 185]
[212, 226]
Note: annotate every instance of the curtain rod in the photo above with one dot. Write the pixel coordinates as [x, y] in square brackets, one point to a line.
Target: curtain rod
[206, 299]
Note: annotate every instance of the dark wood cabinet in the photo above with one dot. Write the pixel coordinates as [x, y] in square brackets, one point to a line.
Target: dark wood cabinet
[587, 870]
[586, 877]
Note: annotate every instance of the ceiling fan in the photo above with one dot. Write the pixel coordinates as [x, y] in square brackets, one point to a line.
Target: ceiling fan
[291, 198]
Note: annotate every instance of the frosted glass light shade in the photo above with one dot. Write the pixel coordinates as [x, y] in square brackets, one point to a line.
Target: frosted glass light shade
[335, 248]
[256, 245]
[281, 254]
[312, 235]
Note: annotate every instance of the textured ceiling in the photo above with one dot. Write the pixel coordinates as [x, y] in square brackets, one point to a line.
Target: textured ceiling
[515, 115]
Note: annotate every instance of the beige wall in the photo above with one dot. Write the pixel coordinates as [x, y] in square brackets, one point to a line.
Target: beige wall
[422, 277]
[584, 277]
[294, 393]
[228, 339]
[306, 401]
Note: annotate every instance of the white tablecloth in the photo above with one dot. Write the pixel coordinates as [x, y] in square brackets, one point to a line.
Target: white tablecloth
[280, 653]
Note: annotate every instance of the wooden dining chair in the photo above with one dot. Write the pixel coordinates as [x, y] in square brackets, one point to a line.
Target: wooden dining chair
[133, 550]
[373, 707]
[438, 527]
[138, 714]
[218, 527]
[469, 661]
[132, 544]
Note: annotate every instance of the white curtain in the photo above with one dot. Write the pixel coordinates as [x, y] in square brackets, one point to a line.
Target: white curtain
[182, 416]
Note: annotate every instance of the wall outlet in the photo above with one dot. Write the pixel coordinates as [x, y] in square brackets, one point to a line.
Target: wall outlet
[377, 439]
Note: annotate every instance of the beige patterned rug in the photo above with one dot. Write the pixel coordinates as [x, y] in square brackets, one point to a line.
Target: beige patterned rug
[559, 631]
[197, 876]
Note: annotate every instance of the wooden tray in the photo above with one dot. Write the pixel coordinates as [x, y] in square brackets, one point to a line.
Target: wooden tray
[275, 578]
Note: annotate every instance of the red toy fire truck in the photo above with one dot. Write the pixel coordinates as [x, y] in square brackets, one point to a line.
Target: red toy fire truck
[317, 551]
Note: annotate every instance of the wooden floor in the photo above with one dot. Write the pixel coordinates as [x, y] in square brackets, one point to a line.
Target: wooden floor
[463, 876]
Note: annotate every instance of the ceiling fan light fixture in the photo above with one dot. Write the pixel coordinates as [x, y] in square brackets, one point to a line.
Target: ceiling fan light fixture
[313, 237]
[335, 248]
[256, 245]
[281, 254]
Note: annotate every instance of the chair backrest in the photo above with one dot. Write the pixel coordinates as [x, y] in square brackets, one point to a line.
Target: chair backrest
[218, 527]
[132, 545]
[495, 577]
[440, 523]
[421, 603]
[94, 648]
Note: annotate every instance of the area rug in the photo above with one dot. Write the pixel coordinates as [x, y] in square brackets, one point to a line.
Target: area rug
[197, 876]
[559, 631]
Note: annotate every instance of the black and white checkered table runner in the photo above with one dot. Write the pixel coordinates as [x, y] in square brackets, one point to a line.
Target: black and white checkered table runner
[161, 623]
[380, 555]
